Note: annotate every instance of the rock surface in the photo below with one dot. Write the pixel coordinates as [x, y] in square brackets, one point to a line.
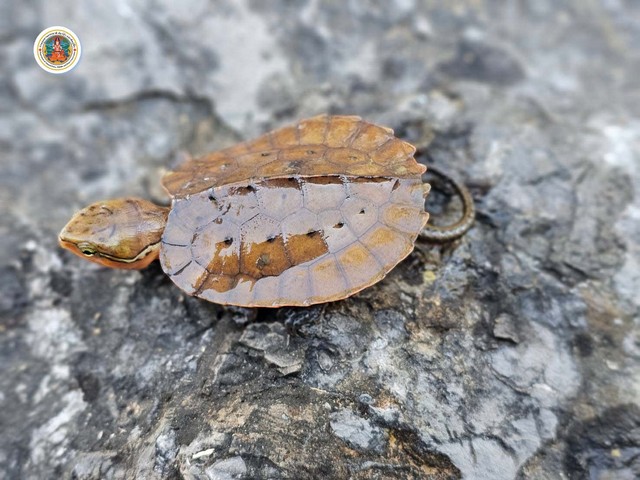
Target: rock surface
[514, 353]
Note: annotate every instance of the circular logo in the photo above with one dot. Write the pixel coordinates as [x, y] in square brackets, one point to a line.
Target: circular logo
[57, 49]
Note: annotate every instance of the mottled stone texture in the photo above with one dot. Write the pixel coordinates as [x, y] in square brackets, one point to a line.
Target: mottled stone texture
[512, 354]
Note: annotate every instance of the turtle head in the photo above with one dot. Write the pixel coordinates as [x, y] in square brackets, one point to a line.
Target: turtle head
[120, 233]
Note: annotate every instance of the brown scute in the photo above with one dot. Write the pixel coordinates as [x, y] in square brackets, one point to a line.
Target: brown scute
[345, 156]
[244, 190]
[313, 131]
[365, 179]
[319, 146]
[264, 259]
[302, 154]
[225, 259]
[284, 137]
[402, 218]
[326, 277]
[304, 248]
[218, 283]
[333, 180]
[342, 130]
[358, 264]
[371, 137]
[287, 182]
[386, 244]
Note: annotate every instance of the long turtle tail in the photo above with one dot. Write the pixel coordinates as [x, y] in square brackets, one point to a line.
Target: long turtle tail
[448, 233]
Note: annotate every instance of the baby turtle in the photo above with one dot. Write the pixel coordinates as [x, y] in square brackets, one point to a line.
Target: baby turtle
[308, 213]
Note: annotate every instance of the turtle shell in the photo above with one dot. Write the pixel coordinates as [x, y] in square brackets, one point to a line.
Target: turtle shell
[308, 213]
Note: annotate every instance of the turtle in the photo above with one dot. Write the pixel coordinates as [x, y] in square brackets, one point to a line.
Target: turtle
[310, 213]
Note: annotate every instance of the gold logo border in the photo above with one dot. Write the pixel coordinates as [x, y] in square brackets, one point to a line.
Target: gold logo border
[43, 36]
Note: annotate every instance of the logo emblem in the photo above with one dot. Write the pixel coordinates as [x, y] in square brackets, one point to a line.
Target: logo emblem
[57, 49]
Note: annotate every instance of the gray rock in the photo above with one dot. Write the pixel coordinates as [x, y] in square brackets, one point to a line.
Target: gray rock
[512, 353]
[274, 342]
[504, 328]
[356, 431]
[227, 469]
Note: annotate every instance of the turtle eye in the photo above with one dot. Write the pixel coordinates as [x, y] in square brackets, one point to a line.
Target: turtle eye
[87, 250]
